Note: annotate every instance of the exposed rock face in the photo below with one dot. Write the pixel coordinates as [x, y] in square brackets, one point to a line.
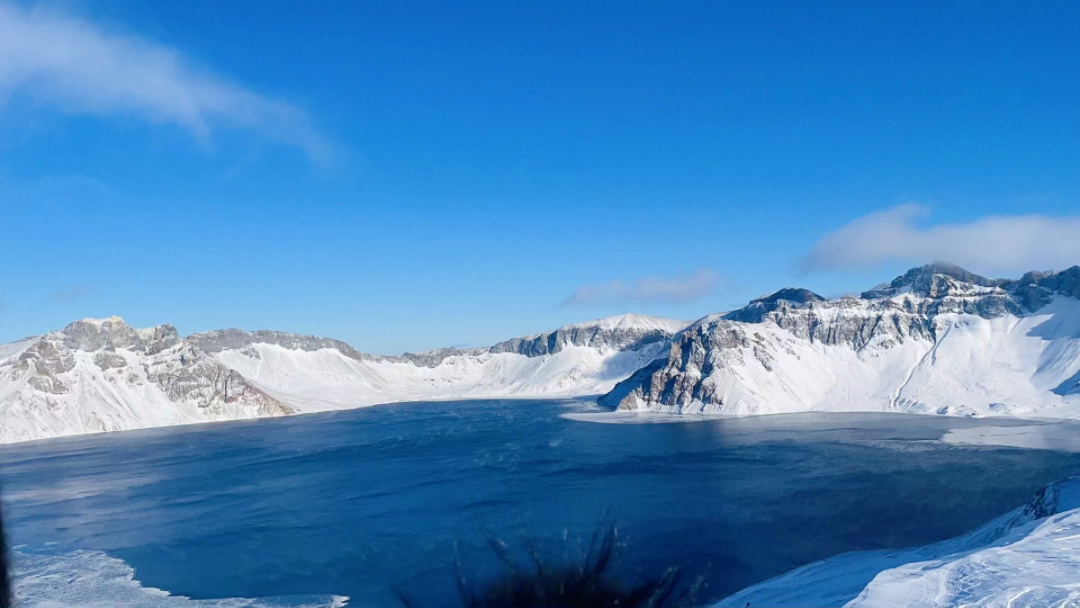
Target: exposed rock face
[106, 360]
[794, 351]
[434, 358]
[777, 302]
[627, 332]
[217, 341]
[46, 356]
[192, 377]
[90, 335]
[614, 336]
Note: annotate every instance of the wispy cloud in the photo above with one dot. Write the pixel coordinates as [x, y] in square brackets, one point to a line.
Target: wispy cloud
[76, 67]
[650, 289]
[74, 293]
[1000, 243]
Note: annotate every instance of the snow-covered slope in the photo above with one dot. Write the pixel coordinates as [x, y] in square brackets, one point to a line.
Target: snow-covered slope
[936, 340]
[1027, 557]
[579, 359]
[103, 375]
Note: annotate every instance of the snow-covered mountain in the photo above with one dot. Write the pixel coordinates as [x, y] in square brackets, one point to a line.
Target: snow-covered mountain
[103, 375]
[1027, 557]
[938, 340]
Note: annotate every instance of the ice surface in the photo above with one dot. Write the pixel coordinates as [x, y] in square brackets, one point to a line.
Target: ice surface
[634, 417]
[1062, 436]
[87, 578]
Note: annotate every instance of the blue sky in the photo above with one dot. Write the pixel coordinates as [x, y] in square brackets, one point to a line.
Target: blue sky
[412, 175]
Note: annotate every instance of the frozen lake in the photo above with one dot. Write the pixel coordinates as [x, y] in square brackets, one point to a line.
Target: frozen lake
[365, 502]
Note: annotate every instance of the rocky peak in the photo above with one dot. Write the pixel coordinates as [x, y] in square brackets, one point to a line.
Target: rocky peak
[793, 294]
[1065, 282]
[96, 334]
[109, 334]
[755, 311]
[934, 280]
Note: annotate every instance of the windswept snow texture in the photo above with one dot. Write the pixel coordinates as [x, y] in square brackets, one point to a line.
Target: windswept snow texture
[1028, 557]
[103, 375]
[936, 340]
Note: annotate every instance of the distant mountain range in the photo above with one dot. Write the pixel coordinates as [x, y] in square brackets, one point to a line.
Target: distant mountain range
[99, 375]
[938, 339]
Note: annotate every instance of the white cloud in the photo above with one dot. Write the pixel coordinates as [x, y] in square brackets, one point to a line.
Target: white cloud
[75, 67]
[650, 289]
[1002, 243]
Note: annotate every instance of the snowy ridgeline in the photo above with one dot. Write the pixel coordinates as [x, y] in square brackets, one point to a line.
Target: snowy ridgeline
[936, 340]
[1029, 557]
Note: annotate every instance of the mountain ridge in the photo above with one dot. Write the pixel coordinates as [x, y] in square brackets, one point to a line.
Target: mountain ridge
[937, 339]
[98, 375]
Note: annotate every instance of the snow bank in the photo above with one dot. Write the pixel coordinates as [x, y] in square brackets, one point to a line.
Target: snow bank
[1034, 566]
[1027, 557]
